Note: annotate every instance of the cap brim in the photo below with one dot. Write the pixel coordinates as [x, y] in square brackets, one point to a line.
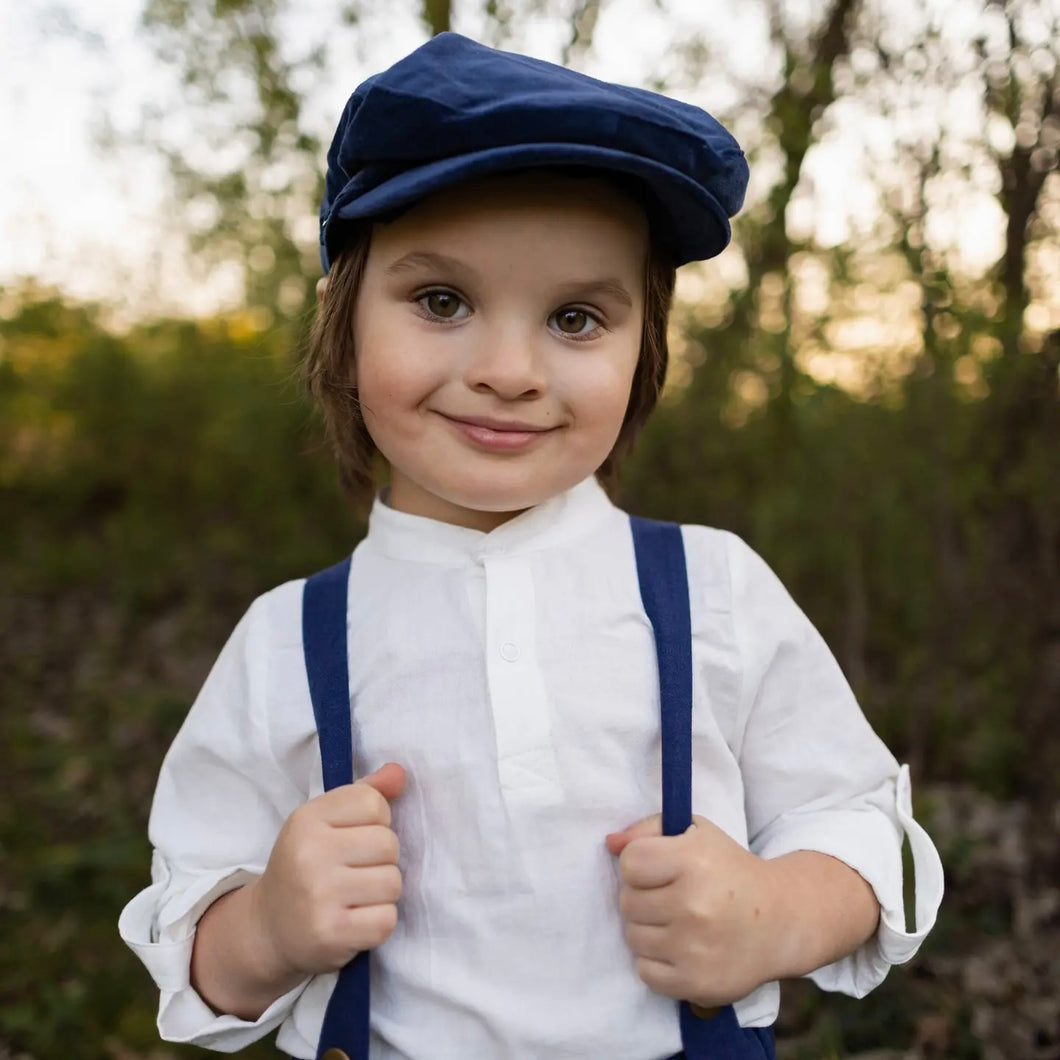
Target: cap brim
[695, 225]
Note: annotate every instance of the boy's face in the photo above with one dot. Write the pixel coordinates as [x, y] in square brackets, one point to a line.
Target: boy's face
[497, 329]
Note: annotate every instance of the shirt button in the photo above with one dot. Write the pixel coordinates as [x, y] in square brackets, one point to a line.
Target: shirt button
[509, 651]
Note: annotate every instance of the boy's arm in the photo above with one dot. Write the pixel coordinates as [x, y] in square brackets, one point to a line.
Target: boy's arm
[824, 910]
[222, 797]
[826, 806]
[709, 921]
[233, 969]
[817, 778]
[329, 891]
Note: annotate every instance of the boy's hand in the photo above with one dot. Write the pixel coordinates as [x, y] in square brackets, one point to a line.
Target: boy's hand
[699, 911]
[332, 882]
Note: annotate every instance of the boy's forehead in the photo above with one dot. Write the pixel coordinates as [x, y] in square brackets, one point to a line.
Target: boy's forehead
[572, 208]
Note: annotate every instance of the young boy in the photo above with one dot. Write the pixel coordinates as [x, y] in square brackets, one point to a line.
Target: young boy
[501, 236]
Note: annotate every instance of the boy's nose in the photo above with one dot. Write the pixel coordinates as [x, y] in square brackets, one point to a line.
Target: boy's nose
[507, 365]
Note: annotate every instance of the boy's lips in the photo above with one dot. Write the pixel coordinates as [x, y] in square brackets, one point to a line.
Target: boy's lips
[499, 434]
[498, 424]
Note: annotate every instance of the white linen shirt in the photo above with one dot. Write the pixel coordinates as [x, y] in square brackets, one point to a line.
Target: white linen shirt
[513, 675]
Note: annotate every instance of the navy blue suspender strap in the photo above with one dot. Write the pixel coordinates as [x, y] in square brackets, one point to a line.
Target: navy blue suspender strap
[324, 641]
[663, 580]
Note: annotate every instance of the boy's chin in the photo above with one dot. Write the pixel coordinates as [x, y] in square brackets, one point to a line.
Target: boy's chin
[477, 503]
[511, 501]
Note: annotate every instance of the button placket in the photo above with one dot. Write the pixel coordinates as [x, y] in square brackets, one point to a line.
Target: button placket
[525, 757]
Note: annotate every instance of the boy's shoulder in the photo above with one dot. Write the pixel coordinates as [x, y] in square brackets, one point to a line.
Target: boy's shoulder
[274, 619]
[724, 570]
[281, 605]
[708, 556]
[714, 544]
[697, 537]
[720, 563]
[281, 599]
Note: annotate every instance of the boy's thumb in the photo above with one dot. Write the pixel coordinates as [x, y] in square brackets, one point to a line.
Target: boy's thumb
[618, 841]
[388, 780]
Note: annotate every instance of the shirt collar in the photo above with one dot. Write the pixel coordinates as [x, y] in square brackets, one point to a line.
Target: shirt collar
[557, 521]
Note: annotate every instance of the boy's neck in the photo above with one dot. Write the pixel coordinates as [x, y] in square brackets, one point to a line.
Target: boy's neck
[431, 507]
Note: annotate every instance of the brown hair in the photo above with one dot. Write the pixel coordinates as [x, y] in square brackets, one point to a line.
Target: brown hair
[330, 356]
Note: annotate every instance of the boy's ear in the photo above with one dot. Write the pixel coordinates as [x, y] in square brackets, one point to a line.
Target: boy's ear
[322, 286]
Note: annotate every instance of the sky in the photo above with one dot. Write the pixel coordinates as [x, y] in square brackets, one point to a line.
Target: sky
[60, 201]
[97, 223]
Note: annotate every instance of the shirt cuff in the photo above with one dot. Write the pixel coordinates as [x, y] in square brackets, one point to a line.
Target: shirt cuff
[867, 836]
[158, 925]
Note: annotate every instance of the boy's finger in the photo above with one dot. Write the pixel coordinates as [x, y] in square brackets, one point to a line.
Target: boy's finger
[706, 828]
[649, 826]
[388, 780]
[372, 885]
[651, 861]
[655, 943]
[652, 905]
[371, 844]
[366, 802]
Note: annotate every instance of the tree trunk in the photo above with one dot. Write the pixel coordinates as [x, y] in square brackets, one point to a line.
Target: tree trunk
[436, 15]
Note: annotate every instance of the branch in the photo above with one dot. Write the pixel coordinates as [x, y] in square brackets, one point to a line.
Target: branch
[436, 15]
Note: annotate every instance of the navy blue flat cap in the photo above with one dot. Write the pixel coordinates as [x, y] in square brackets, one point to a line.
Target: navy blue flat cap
[454, 109]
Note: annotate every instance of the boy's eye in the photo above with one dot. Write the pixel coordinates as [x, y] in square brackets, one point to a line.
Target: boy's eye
[443, 304]
[574, 321]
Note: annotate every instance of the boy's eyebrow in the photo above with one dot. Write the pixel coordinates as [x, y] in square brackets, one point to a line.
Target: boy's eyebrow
[415, 259]
[424, 259]
[608, 288]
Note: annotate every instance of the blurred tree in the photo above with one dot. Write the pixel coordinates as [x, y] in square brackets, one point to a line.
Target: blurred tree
[246, 166]
[1017, 440]
[245, 173]
[939, 499]
[756, 348]
[865, 386]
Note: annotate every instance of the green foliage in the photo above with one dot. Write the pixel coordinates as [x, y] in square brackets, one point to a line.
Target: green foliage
[153, 482]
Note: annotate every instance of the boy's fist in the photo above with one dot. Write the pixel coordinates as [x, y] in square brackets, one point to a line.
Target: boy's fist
[332, 882]
[698, 911]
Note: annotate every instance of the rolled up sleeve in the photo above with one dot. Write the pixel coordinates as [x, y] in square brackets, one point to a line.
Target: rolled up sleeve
[818, 778]
[219, 804]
